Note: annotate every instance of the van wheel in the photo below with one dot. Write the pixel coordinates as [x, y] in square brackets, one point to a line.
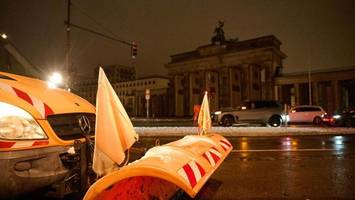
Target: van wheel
[227, 120]
[275, 121]
[317, 120]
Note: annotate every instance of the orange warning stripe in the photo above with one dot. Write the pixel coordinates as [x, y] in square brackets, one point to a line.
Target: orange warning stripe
[19, 144]
[192, 172]
[212, 156]
[42, 107]
[225, 144]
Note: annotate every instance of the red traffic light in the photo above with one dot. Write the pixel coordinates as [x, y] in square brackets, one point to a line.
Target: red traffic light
[134, 50]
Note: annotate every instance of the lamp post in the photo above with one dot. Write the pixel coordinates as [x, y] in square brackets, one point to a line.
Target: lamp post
[309, 75]
[147, 97]
[67, 50]
[309, 87]
[55, 80]
[4, 36]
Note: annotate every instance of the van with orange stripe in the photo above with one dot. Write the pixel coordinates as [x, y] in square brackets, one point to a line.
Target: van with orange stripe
[46, 142]
[42, 137]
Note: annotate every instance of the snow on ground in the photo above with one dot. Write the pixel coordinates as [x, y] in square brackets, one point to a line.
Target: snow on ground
[245, 131]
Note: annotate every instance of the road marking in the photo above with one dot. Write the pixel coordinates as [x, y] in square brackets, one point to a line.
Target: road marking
[278, 150]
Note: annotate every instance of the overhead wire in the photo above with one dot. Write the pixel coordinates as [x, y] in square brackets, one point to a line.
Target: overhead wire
[82, 11]
[111, 34]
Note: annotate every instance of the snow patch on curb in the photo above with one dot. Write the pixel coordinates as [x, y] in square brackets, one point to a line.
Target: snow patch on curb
[244, 131]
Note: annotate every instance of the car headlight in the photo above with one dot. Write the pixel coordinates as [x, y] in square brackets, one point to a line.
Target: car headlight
[336, 116]
[17, 124]
[217, 112]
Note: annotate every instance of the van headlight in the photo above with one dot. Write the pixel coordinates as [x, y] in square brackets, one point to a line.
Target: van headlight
[18, 124]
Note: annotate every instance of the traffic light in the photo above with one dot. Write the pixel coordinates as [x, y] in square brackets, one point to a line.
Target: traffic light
[134, 50]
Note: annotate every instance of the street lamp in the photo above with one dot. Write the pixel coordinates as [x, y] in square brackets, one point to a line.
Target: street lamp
[55, 80]
[4, 36]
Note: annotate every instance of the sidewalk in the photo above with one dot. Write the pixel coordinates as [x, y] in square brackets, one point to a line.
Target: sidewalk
[245, 131]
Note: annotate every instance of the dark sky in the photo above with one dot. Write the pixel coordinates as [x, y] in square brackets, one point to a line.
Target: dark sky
[320, 34]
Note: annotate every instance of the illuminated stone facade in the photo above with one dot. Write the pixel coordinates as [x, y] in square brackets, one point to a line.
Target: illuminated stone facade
[333, 89]
[232, 72]
[132, 94]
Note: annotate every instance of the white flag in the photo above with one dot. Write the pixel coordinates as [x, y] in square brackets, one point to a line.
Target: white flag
[114, 132]
[204, 116]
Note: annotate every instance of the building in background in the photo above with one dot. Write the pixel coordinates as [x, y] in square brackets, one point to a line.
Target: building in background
[133, 96]
[231, 71]
[132, 92]
[333, 89]
[86, 88]
[117, 73]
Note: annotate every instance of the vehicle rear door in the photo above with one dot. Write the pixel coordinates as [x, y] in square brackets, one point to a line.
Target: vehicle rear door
[297, 114]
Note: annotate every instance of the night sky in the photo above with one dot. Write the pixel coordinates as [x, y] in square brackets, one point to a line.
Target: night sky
[320, 34]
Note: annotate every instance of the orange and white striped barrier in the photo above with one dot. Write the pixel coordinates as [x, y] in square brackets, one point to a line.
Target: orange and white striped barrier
[212, 156]
[225, 144]
[187, 164]
[192, 172]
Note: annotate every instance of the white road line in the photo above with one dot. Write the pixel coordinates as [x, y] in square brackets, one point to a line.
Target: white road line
[280, 150]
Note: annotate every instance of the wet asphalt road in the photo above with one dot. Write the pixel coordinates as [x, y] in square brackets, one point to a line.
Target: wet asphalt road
[297, 167]
[307, 167]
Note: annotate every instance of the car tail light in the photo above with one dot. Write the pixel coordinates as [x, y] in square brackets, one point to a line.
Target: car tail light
[17, 124]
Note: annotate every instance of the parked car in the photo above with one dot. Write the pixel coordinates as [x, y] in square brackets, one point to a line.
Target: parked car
[267, 112]
[306, 113]
[345, 118]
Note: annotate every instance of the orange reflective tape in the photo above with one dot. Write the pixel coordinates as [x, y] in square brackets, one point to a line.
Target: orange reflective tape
[225, 145]
[23, 95]
[21, 144]
[40, 142]
[48, 110]
[4, 144]
[212, 156]
[192, 172]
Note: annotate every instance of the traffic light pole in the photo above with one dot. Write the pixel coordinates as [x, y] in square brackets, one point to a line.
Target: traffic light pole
[67, 51]
[68, 24]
